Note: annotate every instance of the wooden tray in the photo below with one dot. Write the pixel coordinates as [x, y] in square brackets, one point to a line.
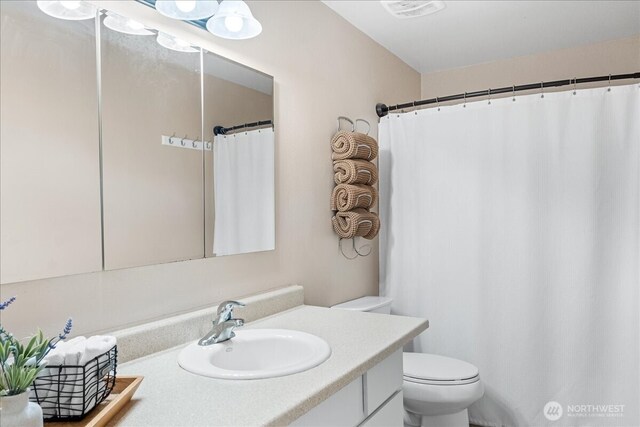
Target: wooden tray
[100, 415]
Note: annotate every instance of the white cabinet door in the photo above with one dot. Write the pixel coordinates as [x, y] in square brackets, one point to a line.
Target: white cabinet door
[382, 381]
[390, 414]
[376, 395]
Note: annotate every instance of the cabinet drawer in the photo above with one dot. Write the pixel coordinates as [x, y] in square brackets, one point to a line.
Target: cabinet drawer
[382, 381]
[389, 414]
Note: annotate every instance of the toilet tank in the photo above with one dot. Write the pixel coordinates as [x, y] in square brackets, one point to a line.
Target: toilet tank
[371, 304]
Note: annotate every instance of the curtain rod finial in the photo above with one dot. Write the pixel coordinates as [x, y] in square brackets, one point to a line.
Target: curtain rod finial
[381, 109]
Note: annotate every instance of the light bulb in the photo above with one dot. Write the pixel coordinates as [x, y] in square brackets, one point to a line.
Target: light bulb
[173, 43]
[186, 5]
[125, 25]
[186, 9]
[234, 20]
[70, 10]
[71, 5]
[233, 23]
[134, 25]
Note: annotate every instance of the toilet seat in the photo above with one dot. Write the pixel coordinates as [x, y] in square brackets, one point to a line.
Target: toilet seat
[422, 368]
[441, 382]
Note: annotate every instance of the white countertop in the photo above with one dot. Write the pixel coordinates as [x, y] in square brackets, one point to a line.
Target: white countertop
[171, 396]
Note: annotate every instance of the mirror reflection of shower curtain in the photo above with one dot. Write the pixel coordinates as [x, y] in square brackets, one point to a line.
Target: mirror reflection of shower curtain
[244, 192]
[515, 229]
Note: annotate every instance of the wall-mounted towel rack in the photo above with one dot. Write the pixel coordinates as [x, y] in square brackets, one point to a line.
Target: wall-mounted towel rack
[354, 124]
[358, 252]
[221, 130]
[352, 153]
[192, 144]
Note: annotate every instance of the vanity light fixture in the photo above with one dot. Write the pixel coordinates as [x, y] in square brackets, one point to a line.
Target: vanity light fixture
[234, 20]
[187, 9]
[174, 43]
[125, 25]
[70, 10]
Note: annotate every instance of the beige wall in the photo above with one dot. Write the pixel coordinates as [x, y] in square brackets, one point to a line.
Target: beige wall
[323, 68]
[612, 57]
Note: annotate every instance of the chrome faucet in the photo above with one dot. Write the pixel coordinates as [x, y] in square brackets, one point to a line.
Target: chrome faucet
[223, 324]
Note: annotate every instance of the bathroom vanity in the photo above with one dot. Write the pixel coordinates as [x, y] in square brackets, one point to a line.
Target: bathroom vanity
[373, 399]
[359, 384]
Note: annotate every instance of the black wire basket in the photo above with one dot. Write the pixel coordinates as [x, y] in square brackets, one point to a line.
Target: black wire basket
[70, 392]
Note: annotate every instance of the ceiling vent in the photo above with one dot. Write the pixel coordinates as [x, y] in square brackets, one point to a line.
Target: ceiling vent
[412, 8]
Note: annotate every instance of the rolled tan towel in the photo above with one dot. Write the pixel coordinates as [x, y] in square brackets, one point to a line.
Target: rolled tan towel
[355, 172]
[358, 222]
[374, 229]
[353, 145]
[346, 197]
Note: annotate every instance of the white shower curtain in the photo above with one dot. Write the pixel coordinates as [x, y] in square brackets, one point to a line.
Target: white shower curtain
[514, 228]
[243, 168]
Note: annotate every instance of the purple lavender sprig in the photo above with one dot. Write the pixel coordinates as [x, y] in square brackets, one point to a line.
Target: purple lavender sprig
[7, 303]
[54, 341]
[67, 329]
[20, 363]
[62, 336]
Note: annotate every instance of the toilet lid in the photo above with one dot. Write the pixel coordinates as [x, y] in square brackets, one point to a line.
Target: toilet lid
[431, 367]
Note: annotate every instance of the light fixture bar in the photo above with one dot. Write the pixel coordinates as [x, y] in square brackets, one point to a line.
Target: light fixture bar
[254, 27]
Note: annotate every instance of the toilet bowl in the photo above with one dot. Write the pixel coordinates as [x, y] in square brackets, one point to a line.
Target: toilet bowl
[437, 390]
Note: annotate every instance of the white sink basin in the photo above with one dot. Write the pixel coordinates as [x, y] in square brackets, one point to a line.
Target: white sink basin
[256, 353]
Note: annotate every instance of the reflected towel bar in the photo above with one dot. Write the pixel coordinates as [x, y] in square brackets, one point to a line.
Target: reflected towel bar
[221, 130]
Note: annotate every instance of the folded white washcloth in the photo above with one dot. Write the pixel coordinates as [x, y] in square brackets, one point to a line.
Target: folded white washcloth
[48, 389]
[73, 351]
[93, 347]
[54, 358]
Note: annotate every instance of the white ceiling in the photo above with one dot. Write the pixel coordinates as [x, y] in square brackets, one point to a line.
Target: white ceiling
[473, 32]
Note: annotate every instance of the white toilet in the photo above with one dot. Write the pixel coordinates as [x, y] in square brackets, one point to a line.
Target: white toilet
[437, 390]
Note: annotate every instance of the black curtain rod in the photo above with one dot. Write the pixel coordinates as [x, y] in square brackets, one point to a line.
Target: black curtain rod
[382, 109]
[221, 130]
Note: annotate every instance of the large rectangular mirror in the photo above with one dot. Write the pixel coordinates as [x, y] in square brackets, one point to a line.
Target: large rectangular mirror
[152, 193]
[49, 145]
[239, 170]
[108, 157]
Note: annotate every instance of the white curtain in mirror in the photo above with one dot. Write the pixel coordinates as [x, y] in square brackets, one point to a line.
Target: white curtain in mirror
[244, 192]
[514, 228]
